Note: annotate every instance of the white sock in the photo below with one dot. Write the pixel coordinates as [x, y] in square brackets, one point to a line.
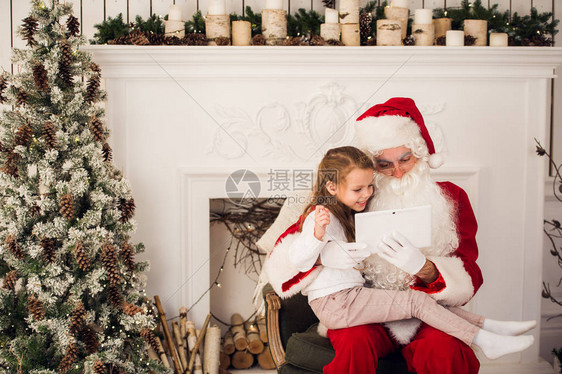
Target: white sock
[508, 327]
[494, 346]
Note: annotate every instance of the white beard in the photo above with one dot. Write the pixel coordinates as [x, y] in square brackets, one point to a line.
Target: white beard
[415, 188]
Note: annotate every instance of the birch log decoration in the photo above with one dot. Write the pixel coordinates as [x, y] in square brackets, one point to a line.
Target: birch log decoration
[162, 353]
[183, 329]
[265, 360]
[274, 26]
[211, 355]
[241, 33]
[152, 354]
[228, 345]
[255, 345]
[191, 340]
[167, 334]
[261, 326]
[349, 11]
[217, 26]
[330, 31]
[174, 28]
[398, 14]
[197, 345]
[388, 32]
[180, 344]
[238, 332]
[424, 35]
[350, 35]
[441, 26]
[242, 360]
[478, 29]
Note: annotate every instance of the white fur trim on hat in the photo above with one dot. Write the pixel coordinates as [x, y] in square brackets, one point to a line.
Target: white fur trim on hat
[377, 133]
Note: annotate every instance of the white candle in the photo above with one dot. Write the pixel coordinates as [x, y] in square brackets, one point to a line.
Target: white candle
[399, 3]
[273, 4]
[174, 13]
[498, 39]
[332, 15]
[423, 17]
[217, 7]
[454, 38]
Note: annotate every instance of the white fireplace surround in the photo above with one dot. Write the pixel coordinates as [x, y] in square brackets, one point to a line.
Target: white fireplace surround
[184, 118]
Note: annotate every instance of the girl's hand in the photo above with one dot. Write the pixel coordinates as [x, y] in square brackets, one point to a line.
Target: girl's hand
[322, 219]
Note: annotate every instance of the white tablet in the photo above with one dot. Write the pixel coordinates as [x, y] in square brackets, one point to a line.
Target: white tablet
[413, 223]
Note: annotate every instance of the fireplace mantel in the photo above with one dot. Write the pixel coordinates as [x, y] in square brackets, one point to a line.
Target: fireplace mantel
[183, 118]
[402, 62]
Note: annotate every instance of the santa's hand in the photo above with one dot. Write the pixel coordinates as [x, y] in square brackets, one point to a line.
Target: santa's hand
[342, 255]
[398, 250]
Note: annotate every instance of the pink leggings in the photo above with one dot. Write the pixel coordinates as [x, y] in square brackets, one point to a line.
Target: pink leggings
[360, 306]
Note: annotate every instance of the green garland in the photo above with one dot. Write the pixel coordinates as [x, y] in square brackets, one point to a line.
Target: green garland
[110, 29]
[533, 29]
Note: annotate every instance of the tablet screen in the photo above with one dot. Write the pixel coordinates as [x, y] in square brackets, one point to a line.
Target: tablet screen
[413, 223]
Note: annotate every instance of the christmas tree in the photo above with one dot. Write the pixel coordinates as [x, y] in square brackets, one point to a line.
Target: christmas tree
[72, 298]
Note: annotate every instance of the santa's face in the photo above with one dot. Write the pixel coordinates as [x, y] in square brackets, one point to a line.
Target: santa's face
[395, 161]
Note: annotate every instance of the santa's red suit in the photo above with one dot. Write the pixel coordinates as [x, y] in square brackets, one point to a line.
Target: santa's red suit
[454, 252]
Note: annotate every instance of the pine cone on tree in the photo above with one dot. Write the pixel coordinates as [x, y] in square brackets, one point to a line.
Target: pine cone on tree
[3, 85]
[29, 28]
[127, 208]
[90, 339]
[92, 89]
[442, 40]
[10, 280]
[98, 367]
[40, 77]
[96, 128]
[69, 358]
[73, 25]
[23, 135]
[409, 41]
[14, 247]
[50, 135]
[110, 263]
[469, 40]
[258, 39]
[107, 153]
[34, 210]
[49, 246]
[291, 41]
[365, 20]
[81, 257]
[66, 206]
[148, 335]
[11, 164]
[131, 309]
[77, 319]
[128, 256]
[36, 308]
[115, 297]
[65, 64]
[21, 97]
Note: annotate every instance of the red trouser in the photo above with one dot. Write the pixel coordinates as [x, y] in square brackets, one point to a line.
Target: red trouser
[359, 348]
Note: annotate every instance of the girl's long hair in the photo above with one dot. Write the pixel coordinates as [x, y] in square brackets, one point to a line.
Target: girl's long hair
[334, 167]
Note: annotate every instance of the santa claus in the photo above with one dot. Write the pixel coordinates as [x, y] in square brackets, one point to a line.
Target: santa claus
[395, 134]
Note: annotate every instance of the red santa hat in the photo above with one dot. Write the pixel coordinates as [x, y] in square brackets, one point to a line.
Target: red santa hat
[393, 124]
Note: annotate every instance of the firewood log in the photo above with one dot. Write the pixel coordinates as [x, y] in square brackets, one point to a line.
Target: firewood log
[255, 345]
[238, 332]
[242, 360]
